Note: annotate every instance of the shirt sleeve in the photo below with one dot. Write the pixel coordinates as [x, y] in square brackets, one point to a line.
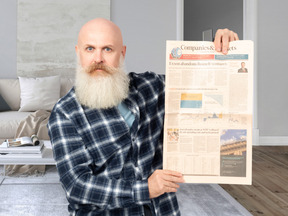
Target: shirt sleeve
[74, 164]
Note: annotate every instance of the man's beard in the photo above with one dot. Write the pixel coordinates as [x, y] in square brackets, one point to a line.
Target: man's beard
[101, 91]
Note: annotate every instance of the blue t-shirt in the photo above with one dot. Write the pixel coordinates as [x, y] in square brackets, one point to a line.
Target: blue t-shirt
[126, 113]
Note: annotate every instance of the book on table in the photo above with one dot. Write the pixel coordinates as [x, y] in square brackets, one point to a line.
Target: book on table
[23, 147]
[23, 141]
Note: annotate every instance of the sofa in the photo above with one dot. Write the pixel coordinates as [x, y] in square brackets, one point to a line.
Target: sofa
[14, 93]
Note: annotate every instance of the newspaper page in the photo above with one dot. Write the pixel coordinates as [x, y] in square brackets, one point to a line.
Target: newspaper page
[208, 112]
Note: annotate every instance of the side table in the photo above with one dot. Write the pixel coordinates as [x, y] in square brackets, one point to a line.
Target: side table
[47, 158]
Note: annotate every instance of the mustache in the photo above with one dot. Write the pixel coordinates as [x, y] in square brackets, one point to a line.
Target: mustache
[99, 66]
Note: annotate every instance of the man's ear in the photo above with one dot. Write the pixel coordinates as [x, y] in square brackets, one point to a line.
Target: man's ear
[123, 51]
[76, 49]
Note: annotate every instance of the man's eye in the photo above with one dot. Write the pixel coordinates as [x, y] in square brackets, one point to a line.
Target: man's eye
[107, 49]
[90, 48]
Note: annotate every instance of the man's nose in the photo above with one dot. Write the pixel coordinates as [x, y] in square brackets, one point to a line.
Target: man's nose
[98, 57]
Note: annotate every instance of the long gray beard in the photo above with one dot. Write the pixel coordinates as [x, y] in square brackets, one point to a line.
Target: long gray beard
[101, 92]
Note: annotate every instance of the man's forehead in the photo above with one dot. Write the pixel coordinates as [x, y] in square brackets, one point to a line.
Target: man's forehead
[100, 38]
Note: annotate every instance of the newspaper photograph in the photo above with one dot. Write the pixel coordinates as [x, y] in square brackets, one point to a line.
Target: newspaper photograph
[208, 112]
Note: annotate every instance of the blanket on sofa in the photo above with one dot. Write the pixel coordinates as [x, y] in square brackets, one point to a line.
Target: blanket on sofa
[35, 123]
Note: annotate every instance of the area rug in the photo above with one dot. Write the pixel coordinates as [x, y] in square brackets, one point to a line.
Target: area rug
[194, 199]
[208, 199]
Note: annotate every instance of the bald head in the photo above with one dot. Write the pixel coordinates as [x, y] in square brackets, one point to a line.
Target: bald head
[100, 41]
[102, 26]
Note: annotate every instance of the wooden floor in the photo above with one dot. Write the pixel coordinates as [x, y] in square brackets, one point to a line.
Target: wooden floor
[268, 194]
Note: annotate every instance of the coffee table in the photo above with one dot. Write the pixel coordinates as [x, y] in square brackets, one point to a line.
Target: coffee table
[47, 158]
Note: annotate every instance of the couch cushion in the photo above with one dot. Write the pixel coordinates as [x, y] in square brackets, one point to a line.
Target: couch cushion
[9, 122]
[39, 93]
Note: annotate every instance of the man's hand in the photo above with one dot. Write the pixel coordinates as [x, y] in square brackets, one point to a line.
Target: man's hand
[222, 39]
[164, 181]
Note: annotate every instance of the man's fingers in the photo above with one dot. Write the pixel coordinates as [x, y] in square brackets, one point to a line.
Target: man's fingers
[218, 40]
[171, 189]
[176, 179]
[173, 176]
[168, 184]
[236, 36]
[222, 39]
[172, 173]
[225, 41]
[164, 181]
[233, 36]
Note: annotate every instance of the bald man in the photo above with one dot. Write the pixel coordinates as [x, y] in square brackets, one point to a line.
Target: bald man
[106, 133]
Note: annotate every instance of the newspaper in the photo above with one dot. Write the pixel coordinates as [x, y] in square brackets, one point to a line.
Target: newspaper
[208, 112]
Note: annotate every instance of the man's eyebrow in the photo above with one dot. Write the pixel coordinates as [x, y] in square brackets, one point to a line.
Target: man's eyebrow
[89, 45]
[106, 45]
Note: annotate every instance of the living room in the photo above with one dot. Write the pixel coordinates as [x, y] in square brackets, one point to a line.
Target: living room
[145, 33]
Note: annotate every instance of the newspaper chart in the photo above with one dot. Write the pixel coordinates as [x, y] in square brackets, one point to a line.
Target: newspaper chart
[208, 112]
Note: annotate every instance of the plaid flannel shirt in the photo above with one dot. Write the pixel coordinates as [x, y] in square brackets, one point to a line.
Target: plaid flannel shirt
[103, 164]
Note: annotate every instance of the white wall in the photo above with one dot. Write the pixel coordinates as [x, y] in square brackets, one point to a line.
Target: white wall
[8, 26]
[272, 68]
[145, 25]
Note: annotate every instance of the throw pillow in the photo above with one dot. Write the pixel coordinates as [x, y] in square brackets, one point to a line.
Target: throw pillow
[39, 93]
[3, 105]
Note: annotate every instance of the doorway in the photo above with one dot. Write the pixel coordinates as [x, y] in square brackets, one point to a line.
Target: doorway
[207, 15]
